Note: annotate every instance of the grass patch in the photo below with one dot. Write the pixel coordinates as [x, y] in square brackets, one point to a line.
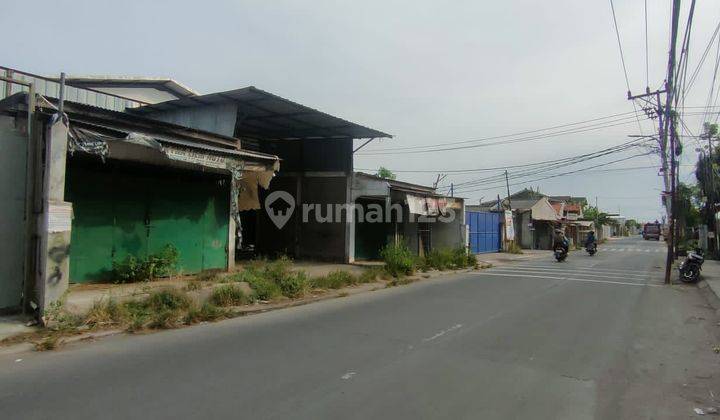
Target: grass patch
[373, 274]
[267, 277]
[205, 313]
[449, 259]
[294, 285]
[209, 275]
[229, 295]
[105, 313]
[263, 287]
[193, 285]
[399, 260]
[159, 264]
[51, 342]
[400, 281]
[514, 248]
[335, 280]
[166, 307]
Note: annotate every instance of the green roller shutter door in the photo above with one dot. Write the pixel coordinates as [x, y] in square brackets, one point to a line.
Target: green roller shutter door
[91, 241]
[135, 211]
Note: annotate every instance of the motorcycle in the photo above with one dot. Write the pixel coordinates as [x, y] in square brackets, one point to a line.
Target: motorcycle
[591, 248]
[691, 266]
[560, 254]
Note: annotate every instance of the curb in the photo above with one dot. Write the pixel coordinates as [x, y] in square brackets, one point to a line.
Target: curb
[25, 347]
[710, 295]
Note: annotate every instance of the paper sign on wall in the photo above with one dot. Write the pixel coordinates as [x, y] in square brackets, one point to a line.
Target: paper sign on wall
[509, 226]
[59, 217]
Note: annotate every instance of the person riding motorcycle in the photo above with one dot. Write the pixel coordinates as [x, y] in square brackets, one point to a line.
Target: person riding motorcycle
[561, 241]
[590, 239]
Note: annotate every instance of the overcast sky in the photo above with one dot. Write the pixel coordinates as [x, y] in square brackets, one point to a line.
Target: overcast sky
[425, 72]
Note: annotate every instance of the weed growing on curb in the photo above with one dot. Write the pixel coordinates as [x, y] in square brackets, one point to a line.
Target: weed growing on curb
[229, 295]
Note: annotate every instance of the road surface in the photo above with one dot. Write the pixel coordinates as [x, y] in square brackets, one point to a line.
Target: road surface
[594, 337]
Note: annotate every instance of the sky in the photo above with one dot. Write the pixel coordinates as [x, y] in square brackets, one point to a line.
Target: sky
[426, 72]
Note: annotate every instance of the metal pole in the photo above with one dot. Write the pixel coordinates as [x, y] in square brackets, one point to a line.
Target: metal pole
[61, 98]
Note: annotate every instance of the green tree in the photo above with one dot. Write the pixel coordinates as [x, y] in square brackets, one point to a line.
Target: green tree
[385, 173]
[600, 218]
[688, 207]
[706, 173]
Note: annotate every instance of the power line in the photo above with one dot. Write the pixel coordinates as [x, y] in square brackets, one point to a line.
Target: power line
[496, 168]
[435, 148]
[622, 114]
[622, 60]
[702, 59]
[559, 163]
[647, 51]
[554, 175]
[520, 176]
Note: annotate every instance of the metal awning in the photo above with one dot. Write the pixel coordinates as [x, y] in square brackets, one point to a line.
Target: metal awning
[264, 115]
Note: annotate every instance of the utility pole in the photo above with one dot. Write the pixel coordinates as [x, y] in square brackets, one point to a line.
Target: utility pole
[507, 184]
[666, 129]
[439, 178]
[670, 125]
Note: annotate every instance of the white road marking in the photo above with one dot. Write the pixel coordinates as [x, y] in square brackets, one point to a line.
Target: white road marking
[443, 332]
[571, 269]
[571, 279]
[574, 268]
[602, 276]
[348, 375]
[18, 360]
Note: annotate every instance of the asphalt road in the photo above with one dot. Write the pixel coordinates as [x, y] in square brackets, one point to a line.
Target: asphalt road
[594, 337]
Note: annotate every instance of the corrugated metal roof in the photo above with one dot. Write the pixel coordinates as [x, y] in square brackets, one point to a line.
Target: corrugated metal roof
[99, 118]
[162, 83]
[265, 115]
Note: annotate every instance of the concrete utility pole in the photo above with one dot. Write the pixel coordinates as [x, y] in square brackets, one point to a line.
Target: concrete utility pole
[670, 125]
[507, 184]
[666, 123]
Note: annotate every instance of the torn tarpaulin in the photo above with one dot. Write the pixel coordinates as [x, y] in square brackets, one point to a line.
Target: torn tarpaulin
[88, 142]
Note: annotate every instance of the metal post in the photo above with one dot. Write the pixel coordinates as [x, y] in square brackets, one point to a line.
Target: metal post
[61, 98]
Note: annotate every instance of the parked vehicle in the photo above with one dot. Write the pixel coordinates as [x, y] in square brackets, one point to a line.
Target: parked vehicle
[560, 253]
[652, 231]
[591, 248]
[691, 266]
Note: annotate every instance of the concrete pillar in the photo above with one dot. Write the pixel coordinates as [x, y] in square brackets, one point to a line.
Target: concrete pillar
[54, 221]
[232, 235]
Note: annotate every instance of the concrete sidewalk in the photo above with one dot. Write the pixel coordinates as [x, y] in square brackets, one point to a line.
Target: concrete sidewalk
[81, 297]
[505, 258]
[710, 283]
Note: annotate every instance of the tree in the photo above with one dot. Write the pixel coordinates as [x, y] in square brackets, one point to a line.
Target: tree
[600, 218]
[385, 173]
[688, 207]
[708, 180]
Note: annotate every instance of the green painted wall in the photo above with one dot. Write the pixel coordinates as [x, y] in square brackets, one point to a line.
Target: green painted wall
[122, 209]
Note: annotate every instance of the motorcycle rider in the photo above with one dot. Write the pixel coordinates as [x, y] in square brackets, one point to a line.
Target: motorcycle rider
[561, 241]
[590, 239]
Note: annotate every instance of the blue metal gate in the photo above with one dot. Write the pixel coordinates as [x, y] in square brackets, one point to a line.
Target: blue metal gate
[484, 231]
